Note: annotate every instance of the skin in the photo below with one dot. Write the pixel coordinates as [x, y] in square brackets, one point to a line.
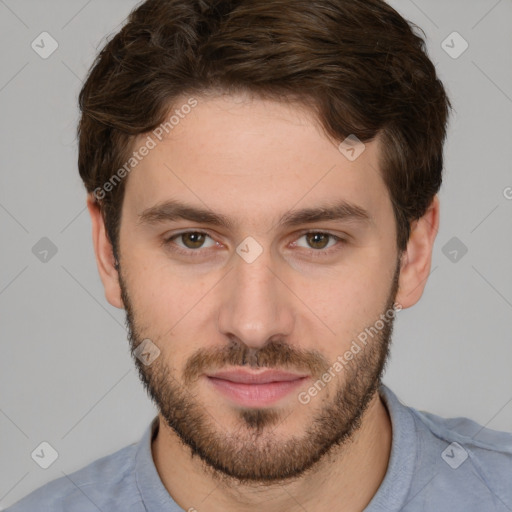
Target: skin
[253, 160]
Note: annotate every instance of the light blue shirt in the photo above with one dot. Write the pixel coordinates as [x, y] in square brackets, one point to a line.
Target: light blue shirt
[436, 465]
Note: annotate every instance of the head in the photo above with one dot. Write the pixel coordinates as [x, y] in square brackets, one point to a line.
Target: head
[262, 183]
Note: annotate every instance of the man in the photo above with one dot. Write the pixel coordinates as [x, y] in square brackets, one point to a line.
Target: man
[262, 181]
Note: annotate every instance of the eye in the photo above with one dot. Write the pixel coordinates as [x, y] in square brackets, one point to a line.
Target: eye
[319, 241]
[191, 240]
[195, 243]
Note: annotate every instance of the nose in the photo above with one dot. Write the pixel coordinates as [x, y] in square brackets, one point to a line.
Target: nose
[256, 304]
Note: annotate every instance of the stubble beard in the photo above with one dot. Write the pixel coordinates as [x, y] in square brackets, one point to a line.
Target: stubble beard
[253, 453]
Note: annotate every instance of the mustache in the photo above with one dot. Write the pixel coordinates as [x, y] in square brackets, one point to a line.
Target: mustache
[276, 354]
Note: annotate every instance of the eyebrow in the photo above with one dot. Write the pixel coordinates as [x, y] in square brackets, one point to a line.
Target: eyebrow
[172, 210]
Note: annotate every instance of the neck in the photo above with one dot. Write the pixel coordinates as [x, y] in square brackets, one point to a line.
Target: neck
[345, 479]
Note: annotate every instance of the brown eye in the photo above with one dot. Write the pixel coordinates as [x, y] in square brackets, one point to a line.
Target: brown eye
[193, 239]
[318, 240]
[189, 240]
[319, 243]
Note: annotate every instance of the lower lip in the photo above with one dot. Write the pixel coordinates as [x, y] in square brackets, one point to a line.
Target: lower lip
[255, 395]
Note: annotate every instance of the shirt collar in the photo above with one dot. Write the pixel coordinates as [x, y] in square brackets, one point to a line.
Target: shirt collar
[394, 489]
[154, 495]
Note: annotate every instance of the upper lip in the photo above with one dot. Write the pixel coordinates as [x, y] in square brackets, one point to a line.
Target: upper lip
[261, 377]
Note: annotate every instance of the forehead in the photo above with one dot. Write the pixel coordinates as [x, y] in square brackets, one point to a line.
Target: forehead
[252, 158]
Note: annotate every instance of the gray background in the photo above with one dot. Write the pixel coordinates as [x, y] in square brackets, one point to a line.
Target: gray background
[66, 376]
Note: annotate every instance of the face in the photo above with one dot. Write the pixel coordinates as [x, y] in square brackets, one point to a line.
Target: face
[263, 279]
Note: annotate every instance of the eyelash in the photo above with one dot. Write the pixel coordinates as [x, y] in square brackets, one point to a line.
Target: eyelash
[167, 242]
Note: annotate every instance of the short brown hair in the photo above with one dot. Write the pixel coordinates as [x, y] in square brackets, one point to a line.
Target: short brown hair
[357, 63]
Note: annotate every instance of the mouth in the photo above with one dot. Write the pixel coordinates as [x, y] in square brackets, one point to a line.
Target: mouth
[255, 389]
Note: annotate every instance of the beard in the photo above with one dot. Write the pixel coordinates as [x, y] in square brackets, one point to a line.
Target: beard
[253, 453]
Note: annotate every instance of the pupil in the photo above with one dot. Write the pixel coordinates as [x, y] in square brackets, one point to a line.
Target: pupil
[198, 239]
[318, 236]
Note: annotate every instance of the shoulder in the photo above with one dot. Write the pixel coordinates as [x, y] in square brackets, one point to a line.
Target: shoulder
[488, 446]
[97, 486]
[446, 463]
[471, 461]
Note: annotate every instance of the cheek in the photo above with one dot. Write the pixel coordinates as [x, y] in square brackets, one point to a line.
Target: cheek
[165, 300]
[176, 302]
[347, 302]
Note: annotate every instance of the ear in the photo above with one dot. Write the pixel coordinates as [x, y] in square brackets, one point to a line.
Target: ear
[417, 258]
[104, 255]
